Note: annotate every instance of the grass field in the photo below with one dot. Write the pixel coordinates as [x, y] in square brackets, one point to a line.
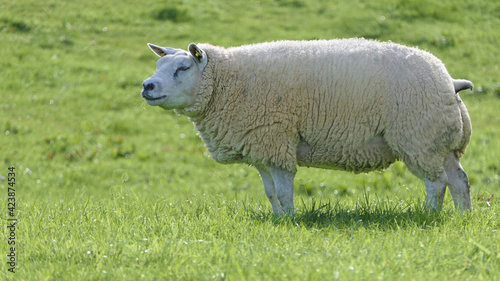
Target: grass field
[107, 188]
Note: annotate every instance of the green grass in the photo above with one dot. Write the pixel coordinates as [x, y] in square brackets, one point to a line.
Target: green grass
[110, 189]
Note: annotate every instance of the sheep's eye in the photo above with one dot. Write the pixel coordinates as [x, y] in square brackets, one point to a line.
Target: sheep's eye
[182, 68]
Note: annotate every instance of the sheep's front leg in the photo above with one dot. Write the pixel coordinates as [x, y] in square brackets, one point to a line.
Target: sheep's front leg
[268, 181]
[278, 184]
[283, 182]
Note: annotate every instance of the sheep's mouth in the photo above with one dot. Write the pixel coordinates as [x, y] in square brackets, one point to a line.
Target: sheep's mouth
[150, 98]
[153, 99]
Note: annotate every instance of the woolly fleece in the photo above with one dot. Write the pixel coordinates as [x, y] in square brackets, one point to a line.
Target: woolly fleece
[350, 104]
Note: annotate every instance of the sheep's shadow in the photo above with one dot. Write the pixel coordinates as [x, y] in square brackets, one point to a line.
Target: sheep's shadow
[382, 215]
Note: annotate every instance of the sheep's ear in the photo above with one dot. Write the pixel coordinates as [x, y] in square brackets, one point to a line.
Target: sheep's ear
[161, 51]
[198, 54]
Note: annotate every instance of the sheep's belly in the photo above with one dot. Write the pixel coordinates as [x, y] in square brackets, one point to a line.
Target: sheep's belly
[373, 155]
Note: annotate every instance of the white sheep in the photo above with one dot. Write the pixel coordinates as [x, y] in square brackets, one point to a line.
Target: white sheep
[349, 104]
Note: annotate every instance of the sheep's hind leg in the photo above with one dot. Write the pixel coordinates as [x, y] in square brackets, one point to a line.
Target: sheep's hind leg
[434, 177]
[458, 182]
[435, 192]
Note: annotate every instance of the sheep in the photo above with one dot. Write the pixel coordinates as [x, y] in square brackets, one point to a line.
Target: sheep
[349, 104]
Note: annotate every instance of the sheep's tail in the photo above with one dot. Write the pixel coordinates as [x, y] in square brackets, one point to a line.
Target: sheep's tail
[461, 84]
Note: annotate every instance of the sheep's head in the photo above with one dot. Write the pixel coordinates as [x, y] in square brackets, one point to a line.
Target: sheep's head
[177, 77]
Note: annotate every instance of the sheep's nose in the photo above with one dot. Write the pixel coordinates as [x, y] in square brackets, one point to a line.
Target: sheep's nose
[148, 86]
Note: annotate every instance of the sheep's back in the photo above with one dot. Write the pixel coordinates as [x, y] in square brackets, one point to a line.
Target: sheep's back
[340, 103]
